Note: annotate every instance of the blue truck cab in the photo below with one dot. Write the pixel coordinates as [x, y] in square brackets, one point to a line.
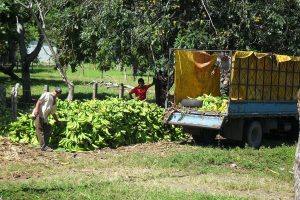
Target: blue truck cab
[261, 91]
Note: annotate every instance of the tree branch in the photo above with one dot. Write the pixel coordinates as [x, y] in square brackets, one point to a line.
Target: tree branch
[34, 54]
[209, 16]
[9, 71]
[21, 39]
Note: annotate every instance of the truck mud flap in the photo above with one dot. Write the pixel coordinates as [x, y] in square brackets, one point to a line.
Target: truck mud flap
[196, 120]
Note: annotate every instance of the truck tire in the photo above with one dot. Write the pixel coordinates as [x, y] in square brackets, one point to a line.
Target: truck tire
[253, 134]
[191, 103]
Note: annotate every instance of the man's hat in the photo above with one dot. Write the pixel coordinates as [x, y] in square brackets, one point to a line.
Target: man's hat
[58, 89]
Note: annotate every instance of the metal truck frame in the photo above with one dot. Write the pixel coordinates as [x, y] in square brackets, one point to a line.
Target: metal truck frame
[245, 119]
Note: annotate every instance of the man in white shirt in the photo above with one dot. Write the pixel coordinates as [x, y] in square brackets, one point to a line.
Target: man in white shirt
[45, 106]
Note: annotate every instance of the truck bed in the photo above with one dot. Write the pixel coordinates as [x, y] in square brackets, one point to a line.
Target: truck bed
[240, 109]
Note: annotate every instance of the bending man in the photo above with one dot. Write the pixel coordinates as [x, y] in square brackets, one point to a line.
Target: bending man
[45, 106]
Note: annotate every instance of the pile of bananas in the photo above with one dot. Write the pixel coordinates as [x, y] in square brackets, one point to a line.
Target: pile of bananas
[213, 104]
[95, 124]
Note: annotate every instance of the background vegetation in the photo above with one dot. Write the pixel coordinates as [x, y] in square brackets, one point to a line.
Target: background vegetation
[138, 34]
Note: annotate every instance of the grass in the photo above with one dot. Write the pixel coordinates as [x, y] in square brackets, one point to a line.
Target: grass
[47, 75]
[98, 189]
[176, 172]
[275, 162]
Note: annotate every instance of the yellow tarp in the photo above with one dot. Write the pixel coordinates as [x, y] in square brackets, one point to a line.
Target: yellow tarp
[265, 78]
[282, 58]
[195, 74]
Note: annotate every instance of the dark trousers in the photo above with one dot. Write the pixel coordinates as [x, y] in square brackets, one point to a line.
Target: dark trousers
[43, 131]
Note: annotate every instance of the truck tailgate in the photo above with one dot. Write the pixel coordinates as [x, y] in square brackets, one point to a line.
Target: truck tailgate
[196, 120]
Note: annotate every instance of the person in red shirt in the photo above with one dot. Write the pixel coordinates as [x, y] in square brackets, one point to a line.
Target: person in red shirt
[140, 90]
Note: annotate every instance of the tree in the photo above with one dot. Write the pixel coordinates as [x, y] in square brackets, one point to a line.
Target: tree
[17, 21]
[8, 38]
[139, 33]
[20, 16]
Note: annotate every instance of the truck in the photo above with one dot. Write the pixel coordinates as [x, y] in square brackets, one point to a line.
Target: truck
[260, 90]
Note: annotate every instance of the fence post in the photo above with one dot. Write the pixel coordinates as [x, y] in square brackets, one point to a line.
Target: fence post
[46, 88]
[121, 92]
[14, 101]
[95, 89]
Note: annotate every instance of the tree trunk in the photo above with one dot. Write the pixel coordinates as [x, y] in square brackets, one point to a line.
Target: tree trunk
[56, 58]
[71, 91]
[2, 97]
[134, 70]
[297, 159]
[26, 60]
[161, 88]
[26, 82]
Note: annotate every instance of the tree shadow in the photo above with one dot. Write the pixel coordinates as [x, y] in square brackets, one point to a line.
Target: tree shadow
[269, 141]
[88, 96]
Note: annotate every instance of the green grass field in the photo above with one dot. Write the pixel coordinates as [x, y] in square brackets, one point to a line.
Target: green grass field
[82, 79]
[148, 171]
[161, 170]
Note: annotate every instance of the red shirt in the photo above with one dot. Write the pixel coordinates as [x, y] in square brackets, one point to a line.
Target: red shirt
[140, 92]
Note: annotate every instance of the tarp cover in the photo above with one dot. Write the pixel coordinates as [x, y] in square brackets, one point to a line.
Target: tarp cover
[195, 74]
[256, 76]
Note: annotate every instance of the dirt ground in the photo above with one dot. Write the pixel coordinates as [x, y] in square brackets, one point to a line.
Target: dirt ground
[16, 152]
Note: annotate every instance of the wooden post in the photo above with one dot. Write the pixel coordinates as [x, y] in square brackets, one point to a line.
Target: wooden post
[14, 101]
[95, 89]
[46, 88]
[297, 159]
[121, 92]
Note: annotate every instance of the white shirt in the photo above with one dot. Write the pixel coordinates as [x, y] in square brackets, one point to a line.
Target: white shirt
[46, 108]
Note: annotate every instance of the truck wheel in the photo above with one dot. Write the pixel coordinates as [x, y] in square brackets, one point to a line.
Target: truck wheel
[191, 103]
[253, 134]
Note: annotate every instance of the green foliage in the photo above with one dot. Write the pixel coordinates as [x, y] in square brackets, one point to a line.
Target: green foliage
[96, 124]
[140, 33]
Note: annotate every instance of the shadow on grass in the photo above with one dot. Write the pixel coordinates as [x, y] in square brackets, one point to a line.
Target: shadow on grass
[269, 141]
[48, 189]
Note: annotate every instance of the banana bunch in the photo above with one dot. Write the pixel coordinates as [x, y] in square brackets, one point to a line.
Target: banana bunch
[213, 104]
[23, 130]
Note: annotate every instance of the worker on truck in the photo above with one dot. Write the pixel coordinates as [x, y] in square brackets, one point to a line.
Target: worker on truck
[140, 90]
[45, 106]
